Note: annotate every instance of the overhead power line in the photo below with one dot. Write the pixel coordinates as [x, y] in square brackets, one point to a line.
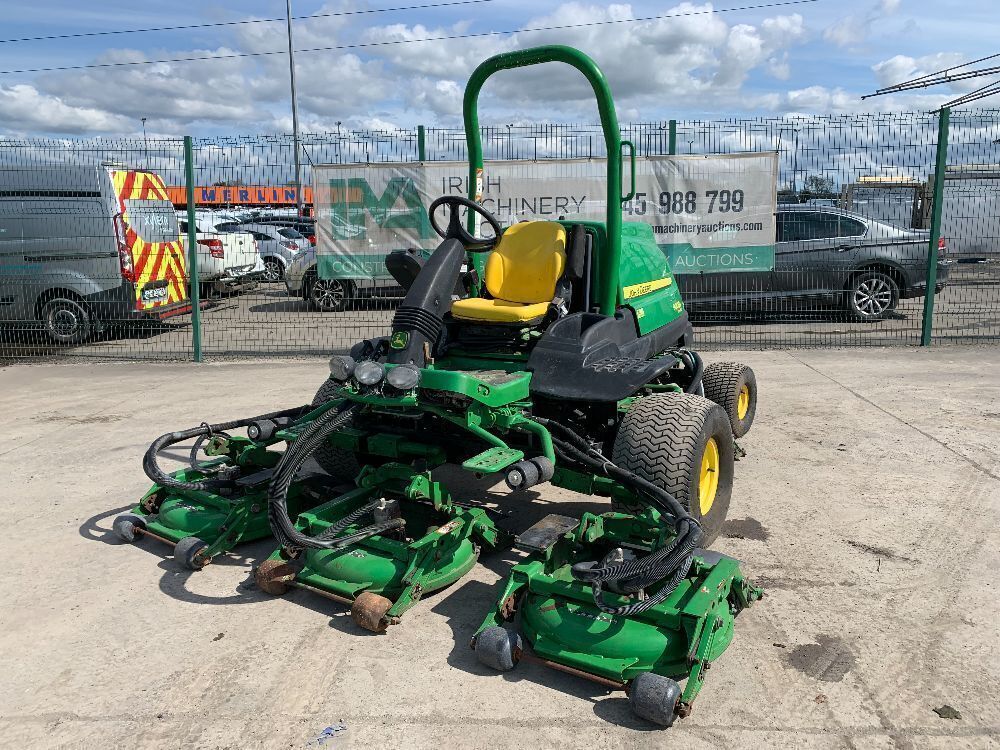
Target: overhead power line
[448, 37]
[949, 75]
[246, 21]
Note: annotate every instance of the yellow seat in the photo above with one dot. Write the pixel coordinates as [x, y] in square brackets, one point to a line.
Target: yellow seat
[521, 275]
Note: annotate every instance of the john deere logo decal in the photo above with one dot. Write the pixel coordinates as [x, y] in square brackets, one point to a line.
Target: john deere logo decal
[399, 340]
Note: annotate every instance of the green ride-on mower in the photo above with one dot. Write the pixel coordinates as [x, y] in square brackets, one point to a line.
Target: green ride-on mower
[553, 351]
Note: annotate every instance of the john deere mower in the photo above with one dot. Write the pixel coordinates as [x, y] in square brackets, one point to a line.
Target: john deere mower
[549, 351]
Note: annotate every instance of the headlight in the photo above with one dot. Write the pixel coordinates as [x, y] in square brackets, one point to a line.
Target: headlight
[403, 377]
[341, 367]
[368, 372]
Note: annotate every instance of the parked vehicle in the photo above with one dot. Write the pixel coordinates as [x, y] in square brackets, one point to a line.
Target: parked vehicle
[82, 247]
[277, 246]
[227, 261]
[304, 226]
[833, 256]
[333, 295]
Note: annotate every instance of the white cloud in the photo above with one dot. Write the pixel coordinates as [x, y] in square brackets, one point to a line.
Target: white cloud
[26, 110]
[851, 30]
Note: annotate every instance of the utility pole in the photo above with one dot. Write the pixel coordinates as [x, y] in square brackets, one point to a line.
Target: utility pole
[295, 113]
[145, 142]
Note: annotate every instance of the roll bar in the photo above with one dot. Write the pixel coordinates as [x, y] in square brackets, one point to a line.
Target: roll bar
[608, 262]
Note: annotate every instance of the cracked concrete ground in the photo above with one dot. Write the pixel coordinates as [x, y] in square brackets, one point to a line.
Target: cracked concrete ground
[868, 505]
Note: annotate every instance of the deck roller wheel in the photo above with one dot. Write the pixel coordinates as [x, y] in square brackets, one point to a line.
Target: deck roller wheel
[127, 525]
[733, 386]
[498, 648]
[188, 553]
[272, 576]
[654, 698]
[369, 611]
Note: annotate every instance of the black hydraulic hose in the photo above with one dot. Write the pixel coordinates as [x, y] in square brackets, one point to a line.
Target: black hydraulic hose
[307, 443]
[669, 564]
[203, 431]
[693, 361]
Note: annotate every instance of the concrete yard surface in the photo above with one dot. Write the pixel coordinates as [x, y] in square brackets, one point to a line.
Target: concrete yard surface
[868, 506]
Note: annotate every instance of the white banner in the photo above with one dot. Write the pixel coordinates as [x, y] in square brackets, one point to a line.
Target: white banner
[708, 213]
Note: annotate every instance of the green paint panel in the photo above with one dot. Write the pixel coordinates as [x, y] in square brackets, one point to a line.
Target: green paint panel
[489, 394]
[646, 282]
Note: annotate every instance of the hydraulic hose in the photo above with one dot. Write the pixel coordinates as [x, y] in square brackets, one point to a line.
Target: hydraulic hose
[221, 485]
[669, 564]
[307, 443]
[693, 362]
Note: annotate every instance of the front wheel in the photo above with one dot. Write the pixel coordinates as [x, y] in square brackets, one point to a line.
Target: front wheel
[273, 271]
[684, 444]
[330, 295]
[872, 295]
[66, 320]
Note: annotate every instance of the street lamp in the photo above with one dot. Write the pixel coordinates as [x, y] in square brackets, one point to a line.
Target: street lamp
[295, 113]
[145, 142]
[690, 145]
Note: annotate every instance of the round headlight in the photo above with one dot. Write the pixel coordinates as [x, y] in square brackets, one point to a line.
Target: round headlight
[341, 367]
[368, 372]
[403, 377]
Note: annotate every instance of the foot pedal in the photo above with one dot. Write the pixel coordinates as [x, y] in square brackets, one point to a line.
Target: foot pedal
[546, 532]
[493, 460]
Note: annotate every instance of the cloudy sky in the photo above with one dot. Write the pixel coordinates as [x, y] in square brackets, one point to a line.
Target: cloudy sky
[691, 60]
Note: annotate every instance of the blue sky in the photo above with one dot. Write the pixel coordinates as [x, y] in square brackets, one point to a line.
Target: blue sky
[808, 58]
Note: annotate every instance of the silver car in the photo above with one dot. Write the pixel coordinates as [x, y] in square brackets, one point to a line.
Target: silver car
[278, 246]
[332, 295]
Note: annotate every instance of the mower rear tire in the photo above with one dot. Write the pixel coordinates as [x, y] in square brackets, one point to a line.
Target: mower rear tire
[654, 698]
[337, 462]
[498, 648]
[188, 552]
[733, 386]
[127, 525]
[684, 444]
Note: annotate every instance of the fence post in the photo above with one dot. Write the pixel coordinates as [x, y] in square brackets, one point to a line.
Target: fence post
[421, 144]
[672, 143]
[940, 164]
[192, 243]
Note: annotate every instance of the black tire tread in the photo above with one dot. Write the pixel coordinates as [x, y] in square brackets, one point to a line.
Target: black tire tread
[337, 462]
[659, 439]
[721, 381]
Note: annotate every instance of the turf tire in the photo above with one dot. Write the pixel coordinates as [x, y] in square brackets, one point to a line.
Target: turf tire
[662, 438]
[723, 383]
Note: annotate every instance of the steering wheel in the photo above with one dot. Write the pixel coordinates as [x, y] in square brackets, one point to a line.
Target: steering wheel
[456, 231]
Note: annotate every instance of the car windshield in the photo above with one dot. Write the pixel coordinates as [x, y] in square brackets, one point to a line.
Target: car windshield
[290, 234]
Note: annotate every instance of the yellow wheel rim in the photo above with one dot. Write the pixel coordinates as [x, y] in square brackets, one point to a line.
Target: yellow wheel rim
[743, 402]
[708, 483]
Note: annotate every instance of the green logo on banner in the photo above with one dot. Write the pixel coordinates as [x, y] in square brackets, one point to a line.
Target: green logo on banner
[399, 340]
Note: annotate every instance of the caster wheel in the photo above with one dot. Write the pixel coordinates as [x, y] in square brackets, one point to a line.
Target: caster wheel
[127, 525]
[369, 611]
[272, 576]
[654, 698]
[498, 648]
[188, 553]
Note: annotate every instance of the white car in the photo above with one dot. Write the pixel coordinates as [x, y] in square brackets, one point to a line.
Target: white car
[227, 261]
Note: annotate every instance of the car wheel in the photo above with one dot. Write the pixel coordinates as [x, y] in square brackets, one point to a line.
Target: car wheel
[66, 321]
[330, 295]
[273, 271]
[872, 295]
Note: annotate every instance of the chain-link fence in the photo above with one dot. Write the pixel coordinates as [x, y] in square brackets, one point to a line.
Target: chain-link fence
[94, 258]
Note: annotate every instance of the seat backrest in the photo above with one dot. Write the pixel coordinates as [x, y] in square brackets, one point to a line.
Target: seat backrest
[527, 262]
